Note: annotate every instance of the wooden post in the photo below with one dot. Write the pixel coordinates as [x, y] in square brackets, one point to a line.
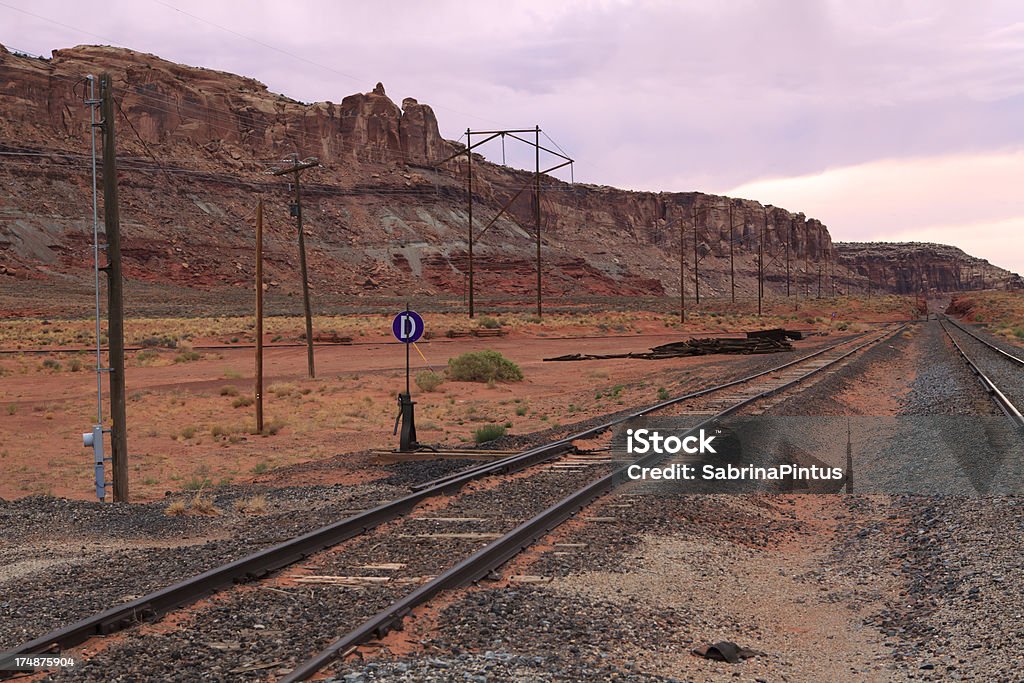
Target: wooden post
[295, 169]
[682, 271]
[696, 271]
[115, 293]
[469, 194]
[537, 184]
[732, 262]
[259, 316]
[305, 279]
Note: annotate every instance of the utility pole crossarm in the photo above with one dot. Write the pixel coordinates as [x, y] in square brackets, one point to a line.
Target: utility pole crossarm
[309, 163]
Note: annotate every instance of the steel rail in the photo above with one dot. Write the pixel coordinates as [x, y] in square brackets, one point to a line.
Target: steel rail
[267, 560]
[560, 446]
[495, 554]
[987, 384]
[966, 330]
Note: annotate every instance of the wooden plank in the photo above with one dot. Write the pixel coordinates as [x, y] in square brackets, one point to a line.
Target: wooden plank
[450, 519]
[468, 536]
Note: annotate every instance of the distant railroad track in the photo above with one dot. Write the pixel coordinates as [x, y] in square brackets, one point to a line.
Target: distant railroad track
[742, 392]
[1010, 397]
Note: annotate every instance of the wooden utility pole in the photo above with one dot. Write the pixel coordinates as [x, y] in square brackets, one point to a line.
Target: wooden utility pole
[682, 272]
[807, 260]
[115, 296]
[537, 217]
[469, 193]
[696, 271]
[821, 245]
[732, 262]
[259, 316]
[760, 260]
[295, 169]
[791, 221]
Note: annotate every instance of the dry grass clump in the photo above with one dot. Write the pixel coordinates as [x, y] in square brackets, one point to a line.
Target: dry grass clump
[176, 508]
[257, 505]
[201, 505]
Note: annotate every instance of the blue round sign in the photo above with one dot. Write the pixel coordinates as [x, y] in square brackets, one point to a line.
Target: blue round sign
[407, 327]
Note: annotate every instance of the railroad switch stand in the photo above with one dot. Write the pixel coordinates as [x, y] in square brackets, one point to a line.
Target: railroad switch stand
[407, 416]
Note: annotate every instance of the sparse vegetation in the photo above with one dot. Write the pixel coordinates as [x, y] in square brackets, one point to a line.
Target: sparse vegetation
[282, 389]
[176, 508]
[51, 364]
[663, 394]
[242, 402]
[186, 357]
[165, 342]
[229, 390]
[483, 366]
[521, 410]
[489, 433]
[201, 505]
[256, 505]
[146, 357]
[489, 323]
[197, 484]
[272, 427]
[429, 380]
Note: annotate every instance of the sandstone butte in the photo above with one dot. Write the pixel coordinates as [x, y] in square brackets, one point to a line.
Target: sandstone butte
[381, 218]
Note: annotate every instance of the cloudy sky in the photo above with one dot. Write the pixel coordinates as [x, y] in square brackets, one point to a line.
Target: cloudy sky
[890, 120]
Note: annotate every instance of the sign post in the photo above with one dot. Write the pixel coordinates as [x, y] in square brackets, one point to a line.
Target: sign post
[407, 328]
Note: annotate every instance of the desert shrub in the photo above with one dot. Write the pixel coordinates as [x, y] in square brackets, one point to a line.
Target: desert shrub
[74, 365]
[483, 366]
[489, 323]
[242, 402]
[261, 467]
[188, 432]
[282, 389]
[273, 427]
[489, 433]
[663, 394]
[229, 390]
[521, 410]
[51, 364]
[154, 342]
[429, 380]
[144, 357]
[186, 357]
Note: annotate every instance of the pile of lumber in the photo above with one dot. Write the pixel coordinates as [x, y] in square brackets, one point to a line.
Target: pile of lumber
[694, 347]
[778, 334]
[476, 332]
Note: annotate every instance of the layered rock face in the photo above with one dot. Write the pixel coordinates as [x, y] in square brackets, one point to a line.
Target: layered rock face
[382, 217]
[913, 267]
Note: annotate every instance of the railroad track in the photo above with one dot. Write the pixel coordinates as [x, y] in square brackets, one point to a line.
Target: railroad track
[1000, 366]
[740, 393]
